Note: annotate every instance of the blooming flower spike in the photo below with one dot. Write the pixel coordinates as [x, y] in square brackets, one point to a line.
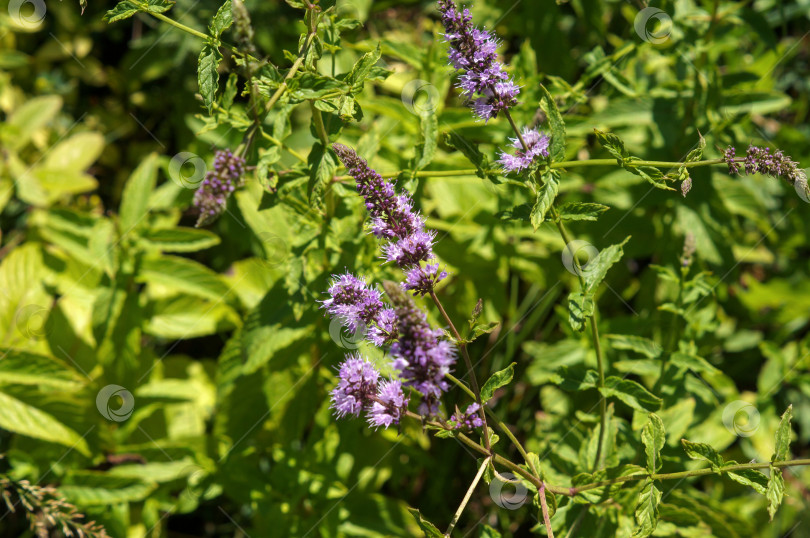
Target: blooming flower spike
[215, 189]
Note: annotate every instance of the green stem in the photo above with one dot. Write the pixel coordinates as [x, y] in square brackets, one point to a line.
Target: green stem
[320, 128]
[473, 381]
[280, 144]
[197, 33]
[293, 69]
[466, 498]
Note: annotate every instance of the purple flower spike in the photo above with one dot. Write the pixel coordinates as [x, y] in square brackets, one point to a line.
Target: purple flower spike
[537, 143]
[352, 301]
[393, 220]
[356, 388]
[389, 404]
[474, 50]
[420, 354]
[215, 189]
[470, 419]
[422, 280]
[760, 160]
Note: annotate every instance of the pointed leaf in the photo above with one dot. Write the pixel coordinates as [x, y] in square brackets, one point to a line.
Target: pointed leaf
[496, 381]
[782, 447]
[137, 190]
[631, 393]
[207, 75]
[702, 451]
[21, 418]
[653, 436]
[580, 308]
[546, 195]
[594, 272]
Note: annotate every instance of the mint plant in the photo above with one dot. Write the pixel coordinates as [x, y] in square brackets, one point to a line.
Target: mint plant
[377, 306]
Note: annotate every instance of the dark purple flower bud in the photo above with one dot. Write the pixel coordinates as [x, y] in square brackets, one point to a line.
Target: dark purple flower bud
[537, 143]
[470, 419]
[357, 386]
[389, 405]
[422, 280]
[215, 189]
[759, 160]
[474, 50]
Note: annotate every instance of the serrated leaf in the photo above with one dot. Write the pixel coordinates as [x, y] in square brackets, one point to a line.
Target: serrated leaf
[613, 144]
[222, 20]
[496, 381]
[653, 436]
[647, 510]
[782, 446]
[775, 491]
[555, 123]
[631, 393]
[427, 527]
[180, 239]
[546, 195]
[361, 69]
[20, 367]
[137, 190]
[594, 272]
[122, 10]
[580, 308]
[24, 419]
[471, 151]
[750, 477]
[429, 138]
[322, 167]
[703, 452]
[581, 211]
[207, 75]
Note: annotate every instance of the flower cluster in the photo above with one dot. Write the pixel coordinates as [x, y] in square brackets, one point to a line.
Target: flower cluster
[357, 305]
[393, 220]
[537, 144]
[762, 161]
[474, 51]
[360, 389]
[217, 186]
[470, 419]
[420, 354]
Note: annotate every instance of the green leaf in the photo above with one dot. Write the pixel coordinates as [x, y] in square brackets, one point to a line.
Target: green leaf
[594, 272]
[429, 137]
[775, 491]
[122, 10]
[184, 275]
[692, 362]
[323, 164]
[180, 239]
[613, 144]
[28, 118]
[647, 510]
[631, 393]
[471, 151]
[750, 477]
[581, 211]
[703, 452]
[89, 488]
[496, 381]
[555, 123]
[361, 70]
[20, 367]
[782, 447]
[207, 75]
[427, 527]
[21, 418]
[653, 436]
[158, 6]
[137, 190]
[222, 20]
[580, 308]
[546, 195]
[639, 344]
